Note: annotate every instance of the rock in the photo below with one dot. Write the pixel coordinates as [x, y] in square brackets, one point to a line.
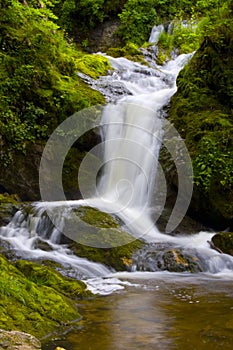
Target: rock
[104, 36]
[224, 242]
[36, 299]
[176, 261]
[163, 256]
[9, 204]
[103, 239]
[27, 183]
[15, 340]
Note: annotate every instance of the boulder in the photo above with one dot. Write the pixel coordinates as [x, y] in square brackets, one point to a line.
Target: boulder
[164, 256]
[224, 242]
[16, 340]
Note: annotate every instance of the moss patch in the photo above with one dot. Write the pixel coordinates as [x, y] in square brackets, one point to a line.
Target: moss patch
[93, 65]
[129, 51]
[36, 304]
[103, 230]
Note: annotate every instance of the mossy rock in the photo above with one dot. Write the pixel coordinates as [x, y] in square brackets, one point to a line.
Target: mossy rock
[9, 204]
[93, 65]
[99, 238]
[46, 276]
[130, 51]
[35, 305]
[97, 218]
[224, 242]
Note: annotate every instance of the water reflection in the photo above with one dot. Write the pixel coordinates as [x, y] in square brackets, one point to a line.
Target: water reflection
[158, 315]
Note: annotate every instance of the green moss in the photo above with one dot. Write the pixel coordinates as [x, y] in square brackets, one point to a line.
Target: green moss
[39, 85]
[37, 304]
[118, 258]
[129, 51]
[96, 218]
[46, 276]
[103, 230]
[93, 65]
[7, 198]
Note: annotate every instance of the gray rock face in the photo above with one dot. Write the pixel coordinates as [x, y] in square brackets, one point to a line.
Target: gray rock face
[105, 36]
[15, 340]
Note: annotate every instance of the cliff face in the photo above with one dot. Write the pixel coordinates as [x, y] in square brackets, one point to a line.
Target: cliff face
[201, 110]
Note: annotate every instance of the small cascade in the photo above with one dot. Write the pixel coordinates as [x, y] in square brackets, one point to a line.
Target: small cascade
[155, 33]
[33, 236]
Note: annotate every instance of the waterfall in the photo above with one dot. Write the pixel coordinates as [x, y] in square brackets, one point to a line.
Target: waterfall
[156, 31]
[132, 131]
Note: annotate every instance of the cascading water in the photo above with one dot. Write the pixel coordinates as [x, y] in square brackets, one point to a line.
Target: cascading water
[132, 133]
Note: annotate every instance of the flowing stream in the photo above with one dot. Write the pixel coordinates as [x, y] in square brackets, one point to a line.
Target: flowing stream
[132, 127]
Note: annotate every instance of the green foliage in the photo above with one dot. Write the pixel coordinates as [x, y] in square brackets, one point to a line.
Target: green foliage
[182, 36]
[137, 19]
[214, 163]
[202, 112]
[39, 86]
[87, 13]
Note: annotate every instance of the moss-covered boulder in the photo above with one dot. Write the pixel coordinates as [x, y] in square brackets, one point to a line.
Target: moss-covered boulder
[224, 242]
[46, 276]
[129, 51]
[37, 304]
[201, 110]
[99, 237]
[16, 340]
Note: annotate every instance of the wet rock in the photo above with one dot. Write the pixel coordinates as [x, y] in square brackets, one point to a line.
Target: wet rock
[43, 245]
[224, 242]
[16, 340]
[163, 256]
[7, 250]
[9, 204]
[105, 36]
[108, 87]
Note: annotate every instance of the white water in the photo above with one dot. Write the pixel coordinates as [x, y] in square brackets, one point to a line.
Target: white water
[132, 134]
[156, 31]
